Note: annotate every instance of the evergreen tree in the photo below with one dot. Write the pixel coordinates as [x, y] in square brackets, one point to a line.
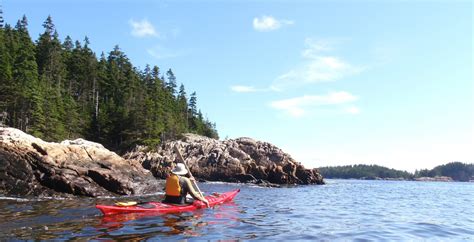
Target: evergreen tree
[153, 112]
[183, 108]
[6, 76]
[193, 104]
[147, 78]
[100, 113]
[68, 45]
[52, 73]
[1, 17]
[57, 90]
[171, 84]
[26, 113]
[192, 110]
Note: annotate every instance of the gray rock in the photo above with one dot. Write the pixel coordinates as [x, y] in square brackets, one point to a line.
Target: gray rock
[32, 167]
[241, 160]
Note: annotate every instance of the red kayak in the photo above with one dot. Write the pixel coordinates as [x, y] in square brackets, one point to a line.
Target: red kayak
[158, 207]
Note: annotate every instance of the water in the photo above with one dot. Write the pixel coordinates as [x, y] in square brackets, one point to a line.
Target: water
[341, 210]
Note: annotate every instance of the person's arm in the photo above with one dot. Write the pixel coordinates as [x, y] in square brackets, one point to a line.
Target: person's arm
[193, 192]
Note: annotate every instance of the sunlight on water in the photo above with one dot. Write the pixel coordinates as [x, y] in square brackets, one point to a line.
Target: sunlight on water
[342, 209]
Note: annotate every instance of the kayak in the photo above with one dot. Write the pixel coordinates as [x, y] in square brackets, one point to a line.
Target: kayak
[159, 207]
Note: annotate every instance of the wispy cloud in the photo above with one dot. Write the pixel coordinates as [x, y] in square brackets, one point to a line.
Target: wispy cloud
[239, 88]
[316, 67]
[159, 52]
[243, 88]
[142, 28]
[314, 47]
[299, 106]
[269, 23]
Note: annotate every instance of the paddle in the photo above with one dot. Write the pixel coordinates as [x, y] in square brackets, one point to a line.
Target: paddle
[134, 203]
[187, 168]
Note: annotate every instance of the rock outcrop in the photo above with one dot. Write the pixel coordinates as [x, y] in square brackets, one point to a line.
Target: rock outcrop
[31, 166]
[237, 160]
[435, 179]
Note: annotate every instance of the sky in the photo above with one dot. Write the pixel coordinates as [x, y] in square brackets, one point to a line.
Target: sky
[329, 82]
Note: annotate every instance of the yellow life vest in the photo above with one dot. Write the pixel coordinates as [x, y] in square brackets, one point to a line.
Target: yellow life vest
[172, 186]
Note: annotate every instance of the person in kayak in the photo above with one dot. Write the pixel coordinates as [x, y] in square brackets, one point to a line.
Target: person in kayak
[178, 186]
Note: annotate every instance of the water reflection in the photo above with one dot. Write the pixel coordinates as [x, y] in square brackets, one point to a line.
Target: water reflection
[51, 219]
[148, 225]
[188, 224]
[342, 210]
[158, 223]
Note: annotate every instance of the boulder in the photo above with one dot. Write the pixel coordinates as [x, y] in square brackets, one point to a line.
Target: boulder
[31, 166]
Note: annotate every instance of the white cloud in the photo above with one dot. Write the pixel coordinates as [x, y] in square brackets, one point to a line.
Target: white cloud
[159, 52]
[269, 23]
[313, 47]
[242, 88]
[316, 67]
[299, 106]
[353, 110]
[239, 88]
[142, 28]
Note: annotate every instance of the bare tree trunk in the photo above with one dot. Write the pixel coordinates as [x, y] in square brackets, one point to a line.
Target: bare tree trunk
[97, 105]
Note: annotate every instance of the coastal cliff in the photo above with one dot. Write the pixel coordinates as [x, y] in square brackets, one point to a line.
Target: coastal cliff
[32, 167]
[233, 160]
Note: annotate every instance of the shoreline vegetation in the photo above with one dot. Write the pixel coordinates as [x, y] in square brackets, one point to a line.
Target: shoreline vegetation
[453, 171]
[59, 89]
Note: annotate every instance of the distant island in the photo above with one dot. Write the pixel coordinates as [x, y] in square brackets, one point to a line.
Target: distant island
[454, 171]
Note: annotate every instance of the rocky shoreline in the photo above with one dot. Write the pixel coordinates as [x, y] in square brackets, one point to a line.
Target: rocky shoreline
[235, 160]
[32, 167]
[423, 179]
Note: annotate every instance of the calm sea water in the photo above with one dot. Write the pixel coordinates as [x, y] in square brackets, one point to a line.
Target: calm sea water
[341, 210]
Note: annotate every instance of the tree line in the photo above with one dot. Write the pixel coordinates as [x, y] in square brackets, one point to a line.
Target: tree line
[456, 170]
[57, 90]
[363, 172]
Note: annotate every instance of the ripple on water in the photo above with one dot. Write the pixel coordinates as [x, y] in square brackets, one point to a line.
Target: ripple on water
[341, 210]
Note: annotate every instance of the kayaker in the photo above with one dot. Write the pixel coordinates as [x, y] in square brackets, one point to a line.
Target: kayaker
[178, 186]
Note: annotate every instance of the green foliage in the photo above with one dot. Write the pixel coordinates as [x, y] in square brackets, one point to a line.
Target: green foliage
[57, 90]
[363, 172]
[456, 170]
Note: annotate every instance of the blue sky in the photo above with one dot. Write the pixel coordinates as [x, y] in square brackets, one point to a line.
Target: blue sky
[329, 82]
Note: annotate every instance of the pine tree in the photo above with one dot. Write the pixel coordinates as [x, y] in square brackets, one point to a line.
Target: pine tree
[183, 108]
[99, 117]
[192, 110]
[27, 112]
[193, 104]
[52, 74]
[155, 125]
[6, 81]
[57, 90]
[1, 17]
[171, 84]
[68, 44]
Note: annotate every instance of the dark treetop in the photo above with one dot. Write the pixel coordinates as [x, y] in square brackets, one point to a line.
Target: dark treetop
[59, 90]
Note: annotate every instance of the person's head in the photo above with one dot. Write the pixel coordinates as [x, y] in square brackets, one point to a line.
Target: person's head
[180, 169]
